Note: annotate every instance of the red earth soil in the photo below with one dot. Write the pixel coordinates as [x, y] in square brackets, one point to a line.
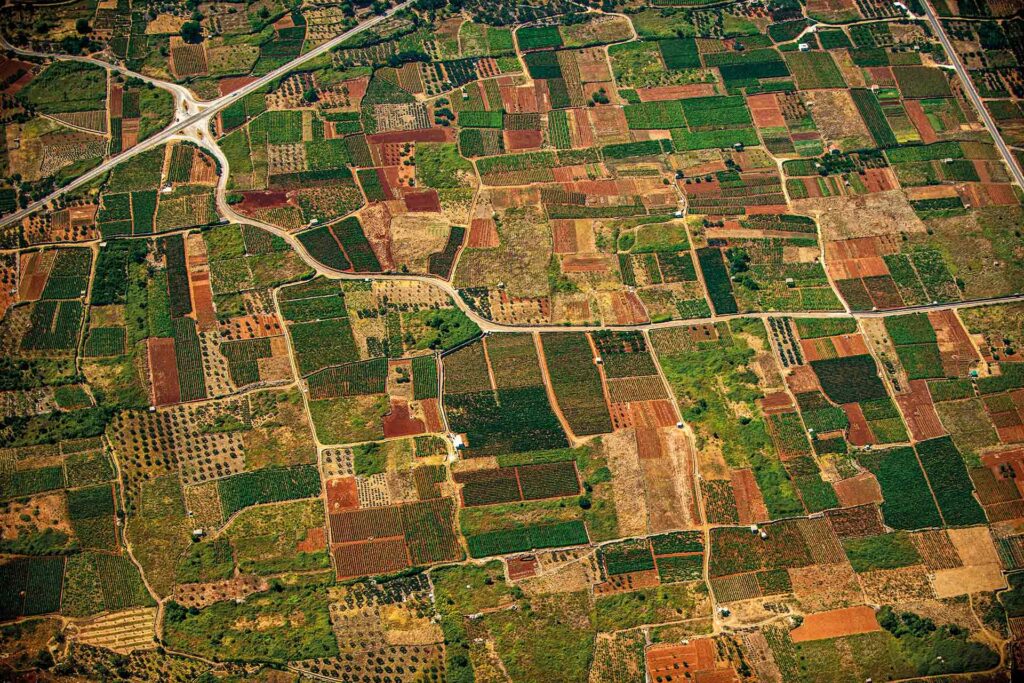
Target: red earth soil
[522, 567]
[628, 309]
[749, 501]
[675, 92]
[858, 490]
[859, 434]
[341, 494]
[425, 201]
[315, 540]
[420, 135]
[919, 411]
[432, 415]
[483, 234]
[516, 140]
[163, 366]
[230, 85]
[399, 423]
[268, 199]
[847, 621]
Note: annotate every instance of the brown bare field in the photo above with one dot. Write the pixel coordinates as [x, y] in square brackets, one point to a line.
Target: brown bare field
[802, 379]
[820, 587]
[398, 422]
[919, 411]
[163, 367]
[35, 270]
[675, 92]
[847, 621]
[859, 257]
[664, 662]
[749, 501]
[859, 433]
[609, 124]
[858, 490]
[837, 119]
[341, 494]
[920, 120]
[766, 111]
[581, 129]
[522, 567]
[564, 236]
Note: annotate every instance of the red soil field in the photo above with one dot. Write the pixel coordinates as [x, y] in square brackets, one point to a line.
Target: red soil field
[399, 423]
[251, 327]
[853, 258]
[879, 179]
[648, 443]
[419, 135]
[919, 411]
[564, 235]
[359, 525]
[424, 201]
[522, 567]
[519, 99]
[838, 622]
[315, 540]
[230, 85]
[116, 94]
[665, 662]
[516, 140]
[859, 433]
[920, 120]
[342, 494]
[483, 234]
[9, 67]
[199, 282]
[263, 199]
[778, 402]
[749, 501]
[587, 263]
[815, 349]
[582, 133]
[882, 75]
[35, 269]
[850, 345]
[543, 95]
[163, 367]
[628, 309]
[765, 111]
[432, 415]
[858, 490]
[675, 92]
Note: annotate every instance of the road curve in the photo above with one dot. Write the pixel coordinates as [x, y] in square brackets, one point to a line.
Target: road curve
[200, 119]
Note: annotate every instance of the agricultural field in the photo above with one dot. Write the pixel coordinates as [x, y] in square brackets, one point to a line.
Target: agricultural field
[512, 341]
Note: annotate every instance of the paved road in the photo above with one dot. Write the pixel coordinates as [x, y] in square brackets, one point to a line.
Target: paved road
[973, 93]
[200, 120]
